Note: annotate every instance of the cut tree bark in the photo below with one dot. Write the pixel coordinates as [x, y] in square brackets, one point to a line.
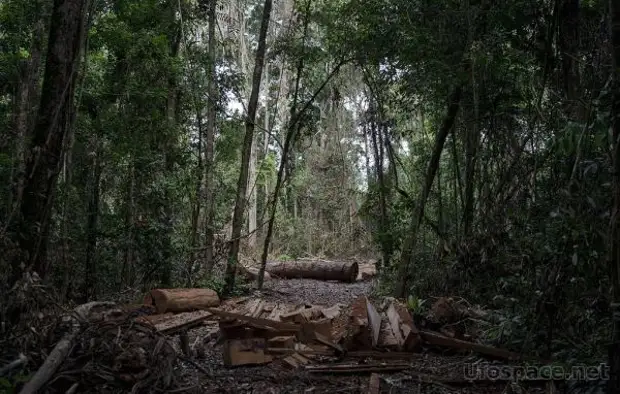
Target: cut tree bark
[343, 271]
[181, 300]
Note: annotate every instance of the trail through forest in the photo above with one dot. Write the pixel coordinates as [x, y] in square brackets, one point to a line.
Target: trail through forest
[470, 148]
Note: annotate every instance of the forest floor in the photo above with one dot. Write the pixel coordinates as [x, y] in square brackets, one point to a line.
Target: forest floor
[274, 378]
[101, 348]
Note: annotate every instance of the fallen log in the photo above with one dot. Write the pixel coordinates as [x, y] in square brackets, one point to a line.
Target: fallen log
[181, 300]
[21, 360]
[343, 271]
[50, 365]
[440, 340]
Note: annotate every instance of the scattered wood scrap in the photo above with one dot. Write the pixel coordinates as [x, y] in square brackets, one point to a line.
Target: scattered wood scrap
[181, 300]
[356, 368]
[256, 331]
[402, 326]
[249, 351]
[453, 343]
[374, 385]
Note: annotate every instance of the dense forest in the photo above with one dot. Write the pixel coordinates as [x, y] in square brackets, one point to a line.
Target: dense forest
[470, 148]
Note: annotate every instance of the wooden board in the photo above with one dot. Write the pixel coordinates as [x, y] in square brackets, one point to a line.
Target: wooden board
[249, 351]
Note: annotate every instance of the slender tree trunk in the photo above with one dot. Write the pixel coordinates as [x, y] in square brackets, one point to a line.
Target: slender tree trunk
[614, 261]
[212, 90]
[53, 122]
[130, 226]
[471, 148]
[252, 195]
[233, 255]
[378, 154]
[167, 219]
[90, 280]
[199, 183]
[267, 137]
[409, 243]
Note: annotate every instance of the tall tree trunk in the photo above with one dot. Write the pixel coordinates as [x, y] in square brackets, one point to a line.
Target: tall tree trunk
[252, 195]
[267, 137]
[53, 122]
[409, 243]
[233, 254]
[198, 203]
[26, 100]
[167, 219]
[614, 260]
[377, 146]
[212, 90]
[90, 280]
[471, 149]
[130, 226]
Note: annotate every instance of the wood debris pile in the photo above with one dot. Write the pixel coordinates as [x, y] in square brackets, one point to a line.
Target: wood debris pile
[254, 331]
[130, 346]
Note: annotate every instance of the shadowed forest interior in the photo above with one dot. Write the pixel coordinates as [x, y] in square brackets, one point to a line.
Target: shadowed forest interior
[467, 149]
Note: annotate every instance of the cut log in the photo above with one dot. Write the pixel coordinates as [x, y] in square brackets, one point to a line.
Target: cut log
[403, 328]
[181, 300]
[367, 271]
[440, 340]
[343, 271]
[245, 352]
